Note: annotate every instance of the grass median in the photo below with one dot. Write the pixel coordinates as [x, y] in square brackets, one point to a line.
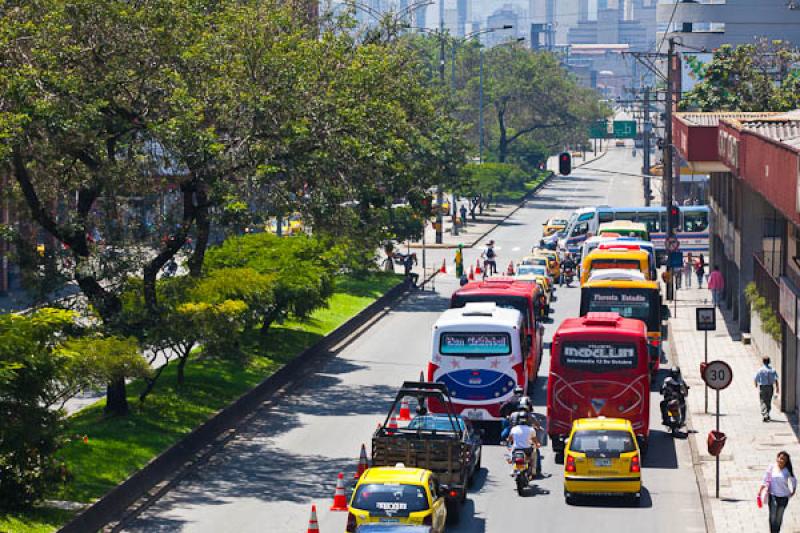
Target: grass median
[115, 448]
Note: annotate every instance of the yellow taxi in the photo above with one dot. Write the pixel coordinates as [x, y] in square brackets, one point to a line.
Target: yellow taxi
[553, 225]
[537, 273]
[553, 262]
[397, 495]
[602, 457]
[539, 260]
[291, 225]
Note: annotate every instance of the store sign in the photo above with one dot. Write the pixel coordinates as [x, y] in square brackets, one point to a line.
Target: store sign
[788, 303]
[598, 357]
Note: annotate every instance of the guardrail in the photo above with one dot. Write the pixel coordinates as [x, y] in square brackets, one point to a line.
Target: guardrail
[113, 505]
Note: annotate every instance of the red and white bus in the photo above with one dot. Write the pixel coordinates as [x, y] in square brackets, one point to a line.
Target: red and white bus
[599, 366]
[479, 352]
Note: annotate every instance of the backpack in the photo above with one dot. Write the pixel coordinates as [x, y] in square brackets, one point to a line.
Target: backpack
[490, 253]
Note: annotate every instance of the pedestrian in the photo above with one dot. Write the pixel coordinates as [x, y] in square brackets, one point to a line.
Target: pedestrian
[489, 256]
[776, 482]
[409, 260]
[463, 212]
[687, 270]
[676, 273]
[700, 270]
[766, 381]
[716, 282]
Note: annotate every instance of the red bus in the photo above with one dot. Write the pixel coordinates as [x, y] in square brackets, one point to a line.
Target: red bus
[512, 294]
[599, 366]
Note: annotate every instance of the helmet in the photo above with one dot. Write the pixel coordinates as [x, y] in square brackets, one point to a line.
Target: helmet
[519, 418]
[675, 373]
[526, 404]
[518, 391]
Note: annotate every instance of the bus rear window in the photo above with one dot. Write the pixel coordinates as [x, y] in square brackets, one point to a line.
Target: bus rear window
[475, 344]
[391, 500]
[599, 357]
[506, 302]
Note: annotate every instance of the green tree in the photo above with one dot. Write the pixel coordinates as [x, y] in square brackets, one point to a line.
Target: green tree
[751, 77]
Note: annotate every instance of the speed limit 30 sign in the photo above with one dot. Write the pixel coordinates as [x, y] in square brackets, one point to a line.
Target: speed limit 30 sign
[718, 375]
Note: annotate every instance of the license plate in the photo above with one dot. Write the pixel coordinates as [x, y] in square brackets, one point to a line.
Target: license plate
[519, 467]
[473, 414]
[602, 462]
[390, 520]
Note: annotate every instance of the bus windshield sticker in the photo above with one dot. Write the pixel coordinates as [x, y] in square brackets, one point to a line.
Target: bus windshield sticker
[619, 298]
[611, 263]
[599, 357]
[475, 344]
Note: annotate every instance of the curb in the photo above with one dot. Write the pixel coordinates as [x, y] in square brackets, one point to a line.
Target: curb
[169, 466]
[697, 465]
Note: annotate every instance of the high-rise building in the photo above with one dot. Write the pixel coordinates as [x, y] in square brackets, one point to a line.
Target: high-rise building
[508, 15]
[464, 13]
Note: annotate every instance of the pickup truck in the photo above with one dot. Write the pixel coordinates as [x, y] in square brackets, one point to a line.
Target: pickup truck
[444, 443]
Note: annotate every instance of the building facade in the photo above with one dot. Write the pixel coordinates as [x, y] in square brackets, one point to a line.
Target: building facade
[708, 24]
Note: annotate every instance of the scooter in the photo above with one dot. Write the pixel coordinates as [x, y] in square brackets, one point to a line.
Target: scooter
[523, 471]
[674, 421]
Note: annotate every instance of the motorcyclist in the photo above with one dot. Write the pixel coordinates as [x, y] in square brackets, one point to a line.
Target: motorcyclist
[674, 387]
[523, 436]
[567, 264]
[507, 409]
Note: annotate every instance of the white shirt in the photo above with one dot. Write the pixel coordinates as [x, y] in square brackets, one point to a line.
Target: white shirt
[777, 481]
[521, 437]
[766, 375]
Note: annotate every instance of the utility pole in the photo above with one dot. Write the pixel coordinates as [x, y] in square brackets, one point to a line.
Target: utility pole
[439, 192]
[646, 145]
[480, 109]
[668, 177]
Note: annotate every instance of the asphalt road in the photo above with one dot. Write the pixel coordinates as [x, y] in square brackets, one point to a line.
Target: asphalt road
[267, 477]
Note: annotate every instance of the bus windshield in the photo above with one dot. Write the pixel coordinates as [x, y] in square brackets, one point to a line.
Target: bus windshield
[641, 304]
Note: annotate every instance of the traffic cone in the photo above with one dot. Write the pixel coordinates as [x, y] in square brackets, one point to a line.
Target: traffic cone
[405, 412]
[478, 269]
[363, 463]
[510, 270]
[339, 499]
[313, 525]
[391, 429]
[471, 275]
[443, 270]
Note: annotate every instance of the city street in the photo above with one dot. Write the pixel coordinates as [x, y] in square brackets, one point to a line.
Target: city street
[288, 457]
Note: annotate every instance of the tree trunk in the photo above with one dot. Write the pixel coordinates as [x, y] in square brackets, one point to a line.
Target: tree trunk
[116, 398]
[502, 143]
[181, 368]
[203, 223]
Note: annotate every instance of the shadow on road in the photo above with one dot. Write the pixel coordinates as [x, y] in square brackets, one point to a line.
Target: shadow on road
[469, 521]
[614, 502]
[661, 451]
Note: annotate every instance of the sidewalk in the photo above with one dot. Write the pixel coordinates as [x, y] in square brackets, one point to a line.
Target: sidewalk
[752, 444]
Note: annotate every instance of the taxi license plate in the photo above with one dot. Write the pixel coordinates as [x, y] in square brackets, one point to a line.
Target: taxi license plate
[389, 520]
[602, 462]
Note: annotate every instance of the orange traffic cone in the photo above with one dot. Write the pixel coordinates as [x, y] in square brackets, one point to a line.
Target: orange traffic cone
[363, 464]
[405, 412]
[313, 525]
[339, 499]
[391, 429]
[443, 270]
[478, 269]
[471, 275]
[510, 270]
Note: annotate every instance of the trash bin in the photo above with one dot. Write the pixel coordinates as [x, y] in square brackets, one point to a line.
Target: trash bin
[716, 441]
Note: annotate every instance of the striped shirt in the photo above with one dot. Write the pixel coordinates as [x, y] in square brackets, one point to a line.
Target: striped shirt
[766, 375]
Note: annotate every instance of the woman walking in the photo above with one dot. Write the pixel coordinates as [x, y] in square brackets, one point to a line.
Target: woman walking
[776, 482]
[687, 270]
[700, 270]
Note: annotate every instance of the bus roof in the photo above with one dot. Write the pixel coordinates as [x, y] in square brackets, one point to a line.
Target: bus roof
[603, 323]
[603, 283]
[501, 285]
[622, 224]
[619, 253]
[482, 314]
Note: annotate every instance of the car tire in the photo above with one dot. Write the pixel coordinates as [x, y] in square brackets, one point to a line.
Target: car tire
[569, 498]
[453, 509]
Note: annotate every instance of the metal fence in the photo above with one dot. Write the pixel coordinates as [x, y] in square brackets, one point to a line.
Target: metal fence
[767, 285]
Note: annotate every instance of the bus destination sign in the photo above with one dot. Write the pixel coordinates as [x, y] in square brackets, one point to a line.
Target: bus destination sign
[599, 357]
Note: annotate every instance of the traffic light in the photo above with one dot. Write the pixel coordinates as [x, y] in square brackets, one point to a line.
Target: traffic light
[565, 163]
[674, 217]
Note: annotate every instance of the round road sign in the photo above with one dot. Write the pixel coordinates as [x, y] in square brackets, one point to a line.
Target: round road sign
[718, 375]
[672, 244]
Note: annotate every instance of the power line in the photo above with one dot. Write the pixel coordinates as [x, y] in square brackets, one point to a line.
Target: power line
[669, 25]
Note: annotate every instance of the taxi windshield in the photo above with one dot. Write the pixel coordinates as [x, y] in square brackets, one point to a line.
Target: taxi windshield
[390, 499]
[601, 442]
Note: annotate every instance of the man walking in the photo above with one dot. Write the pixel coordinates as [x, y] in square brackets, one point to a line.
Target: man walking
[766, 381]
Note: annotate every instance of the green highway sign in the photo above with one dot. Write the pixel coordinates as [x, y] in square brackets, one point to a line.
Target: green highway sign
[599, 130]
[624, 129]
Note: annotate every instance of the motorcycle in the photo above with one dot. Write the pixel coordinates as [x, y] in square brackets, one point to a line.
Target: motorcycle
[674, 419]
[522, 469]
[569, 275]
